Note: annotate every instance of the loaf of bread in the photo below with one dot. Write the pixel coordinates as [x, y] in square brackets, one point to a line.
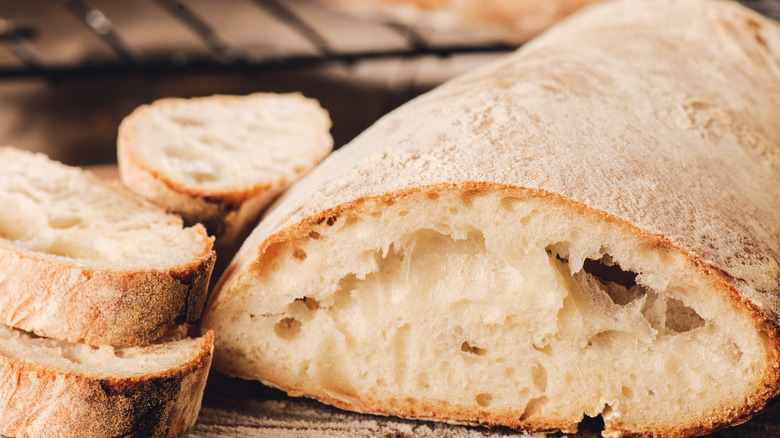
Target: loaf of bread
[590, 226]
[514, 21]
[58, 389]
[220, 160]
[88, 261]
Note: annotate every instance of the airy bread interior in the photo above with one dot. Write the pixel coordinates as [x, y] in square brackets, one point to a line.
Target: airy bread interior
[500, 306]
[71, 215]
[226, 143]
[167, 353]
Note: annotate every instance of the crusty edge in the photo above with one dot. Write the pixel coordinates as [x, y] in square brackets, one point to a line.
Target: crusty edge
[36, 400]
[763, 322]
[228, 215]
[78, 303]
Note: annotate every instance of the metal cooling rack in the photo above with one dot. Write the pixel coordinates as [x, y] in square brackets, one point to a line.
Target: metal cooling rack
[20, 32]
[104, 46]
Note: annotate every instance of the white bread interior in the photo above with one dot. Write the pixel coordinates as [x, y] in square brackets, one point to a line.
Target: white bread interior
[486, 305]
[71, 216]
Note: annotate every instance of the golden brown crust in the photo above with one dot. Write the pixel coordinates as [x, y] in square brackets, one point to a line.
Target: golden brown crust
[41, 401]
[78, 303]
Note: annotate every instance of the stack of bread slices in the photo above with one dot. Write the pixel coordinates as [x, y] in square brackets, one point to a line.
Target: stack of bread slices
[101, 290]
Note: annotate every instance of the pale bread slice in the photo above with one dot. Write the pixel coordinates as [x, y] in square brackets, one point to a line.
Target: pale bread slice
[53, 388]
[514, 21]
[220, 160]
[83, 260]
[590, 226]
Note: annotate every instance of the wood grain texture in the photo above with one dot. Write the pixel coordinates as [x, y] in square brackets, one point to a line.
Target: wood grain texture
[240, 408]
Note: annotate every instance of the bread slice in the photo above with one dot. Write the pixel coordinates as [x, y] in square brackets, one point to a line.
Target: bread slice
[88, 261]
[220, 160]
[53, 388]
[590, 226]
[514, 21]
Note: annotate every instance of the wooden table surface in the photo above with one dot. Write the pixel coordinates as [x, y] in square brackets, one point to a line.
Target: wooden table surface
[239, 408]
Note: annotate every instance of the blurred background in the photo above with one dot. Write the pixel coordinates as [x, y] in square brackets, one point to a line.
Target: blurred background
[70, 70]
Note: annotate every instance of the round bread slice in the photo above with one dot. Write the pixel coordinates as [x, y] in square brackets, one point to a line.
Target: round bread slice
[83, 260]
[513, 21]
[220, 160]
[53, 388]
[590, 226]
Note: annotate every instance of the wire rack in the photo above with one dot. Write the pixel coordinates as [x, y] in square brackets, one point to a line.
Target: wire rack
[61, 38]
[109, 42]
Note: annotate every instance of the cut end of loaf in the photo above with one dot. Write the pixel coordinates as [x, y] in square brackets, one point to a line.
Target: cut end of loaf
[499, 307]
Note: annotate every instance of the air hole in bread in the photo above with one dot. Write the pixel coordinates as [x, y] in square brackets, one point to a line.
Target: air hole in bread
[310, 303]
[533, 407]
[202, 177]
[70, 249]
[403, 213]
[484, 399]
[606, 271]
[626, 391]
[546, 349]
[539, 376]
[63, 222]
[299, 254]
[288, 328]
[467, 198]
[186, 121]
[351, 220]
[467, 348]
[592, 424]
[681, 318]
[510, 204]
[432, 196]
[604, 276]
[607, 338]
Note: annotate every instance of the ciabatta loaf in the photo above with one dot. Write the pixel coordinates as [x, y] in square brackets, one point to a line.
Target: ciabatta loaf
[219, 160]
[82, 260]
[514, 21]
[58, 389]
[590, 226]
